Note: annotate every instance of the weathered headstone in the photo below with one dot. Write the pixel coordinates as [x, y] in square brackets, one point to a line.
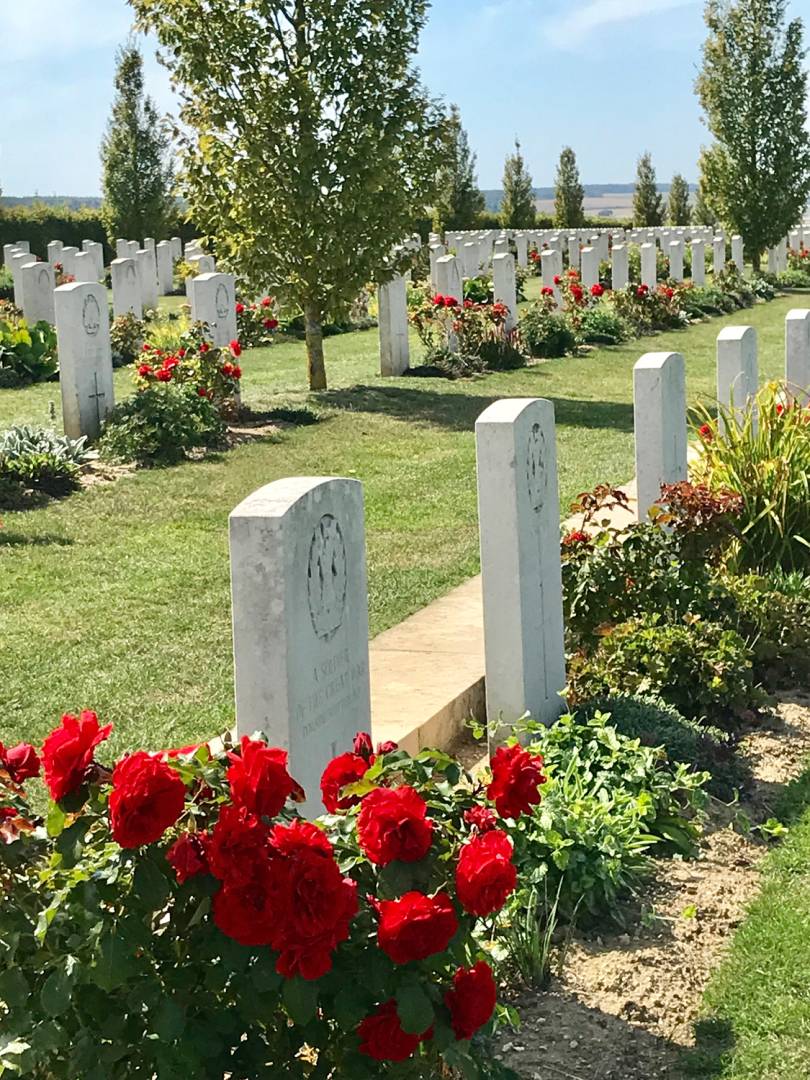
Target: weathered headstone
[37, 283]
[718, 255]
[659, 409]
[620, 273]
[18, 261]
[589, 273]
[300, 621]
[676, 260]
[85, 359]
[165, 267]
[738, 253]
[522, 245]
[126, 288]
[84, 267]
[505, 287]
[213, 302]
[574, 256]
[737, 369]
[69, 253]
[392, 299]
[23, 245]
[55, 252]
[437, 251]
[94, 248]
[550, 274]
[177, 248]
[122, 249]
[448, 278]
[649, 267]
[519, 520]
[797, 354]
[9, 250]
[698, 262]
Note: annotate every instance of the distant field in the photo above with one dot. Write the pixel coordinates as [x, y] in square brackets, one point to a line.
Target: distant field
[607, 205]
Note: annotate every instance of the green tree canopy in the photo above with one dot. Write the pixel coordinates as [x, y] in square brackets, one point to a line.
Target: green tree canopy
[679, 211]
[311, 147]
[753, 89]
[648, 206]
[518, 209]
[568, 192]
[459, 200]
[137, 172]
[705, 212]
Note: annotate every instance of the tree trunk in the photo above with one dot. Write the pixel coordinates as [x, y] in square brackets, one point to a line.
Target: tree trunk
[756, 262]
[314, 332]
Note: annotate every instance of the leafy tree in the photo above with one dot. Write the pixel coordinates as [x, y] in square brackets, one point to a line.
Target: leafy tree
[460, 198]
[518, 210]
[568, 192]
[648, 206]
[678, 209]
[137, 172]
[704, 212]
[753, 89]
[311, 148]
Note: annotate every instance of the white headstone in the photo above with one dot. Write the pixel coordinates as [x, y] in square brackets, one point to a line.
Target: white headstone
[589, 272]
[9, 250]
[165, 267]
[469, 257]
[37, 283]
[68, 255]
[94, 248]
[147, 272]
[84, 267]
[149, 243]
[55, 252]
[549, 271]
[718, 254]
[126, 288]
[676, 260]
[737, 368]
[698, 262]
[18, 261]
[213, 302]
[177, 248]
[122, 249]
[85, 359]
[573, 252]
[134, 248]
[659, 408]
[519, 520]
[23, 245]
[522, 244]
[300, 621]
[797, 353]
[437, 251]
[620, 274]
[505, 287]
[392, 299]
[649, 267]
[738, 253]
[448, 278]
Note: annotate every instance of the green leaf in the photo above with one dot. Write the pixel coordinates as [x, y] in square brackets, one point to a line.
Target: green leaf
[55, 996]
[414, 1008]
[151, 885]
[14, 989]
[300, 998]
[115, 963]
[170, 1020]
[55, 821]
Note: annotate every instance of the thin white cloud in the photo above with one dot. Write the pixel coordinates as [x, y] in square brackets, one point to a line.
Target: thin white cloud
[569, 29]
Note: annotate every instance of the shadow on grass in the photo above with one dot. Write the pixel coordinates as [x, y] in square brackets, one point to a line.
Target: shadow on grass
[459, 411]
[16, 539]
[714, 1046]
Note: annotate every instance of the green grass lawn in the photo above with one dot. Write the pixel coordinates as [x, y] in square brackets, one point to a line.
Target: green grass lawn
[118, 598]
[757, 1007]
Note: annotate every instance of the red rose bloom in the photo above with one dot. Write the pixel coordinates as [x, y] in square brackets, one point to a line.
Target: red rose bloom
[237, 371]
[67, 753]
[164, 375]
[259, 779]
[363, 746]
[481, 818]
[547, 290]
[227, 368]
[642, 291]
[438, 300]
[516, 779]
[472, 1000]
[556, 279]
[267, 302]
[204, 347]
[144, 370]
[317, 902]
[416, 926]
[382, 1037]
[339, 773]
[387, 747]
[187, 856]
[21, 762]
[181, 353]
[202, 392]
[485, 874]
[147, 797]
[450, 301]
[249, 912]
[575, 537]
[238, 849]
[670, 293]
[393, 826]
[240, 309]
[706, 433]
[577, 293]
[236, 349]
[597, 290]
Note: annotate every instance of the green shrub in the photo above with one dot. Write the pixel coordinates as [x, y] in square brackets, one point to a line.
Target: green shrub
[126, 339]
[547, 334]
[773, 614]
[654, 723]
[764, 454]
[6, 284]
[27, 353]
[161, 424]
[603, 325]
[608, 802]
[793, 279]
[479, 289]
[37, 460]
[701, 668]
[762, 289]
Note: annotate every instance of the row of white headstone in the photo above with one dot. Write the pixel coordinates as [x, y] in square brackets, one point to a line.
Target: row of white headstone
[298, 564]
[83, 340]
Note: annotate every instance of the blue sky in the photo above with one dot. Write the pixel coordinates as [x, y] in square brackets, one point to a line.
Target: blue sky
[609, 77]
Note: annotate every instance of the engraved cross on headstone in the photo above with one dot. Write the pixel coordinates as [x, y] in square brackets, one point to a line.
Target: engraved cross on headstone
[97, 396]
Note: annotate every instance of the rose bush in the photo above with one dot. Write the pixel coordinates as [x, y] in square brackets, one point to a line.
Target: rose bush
[173, 915]
[462, 337]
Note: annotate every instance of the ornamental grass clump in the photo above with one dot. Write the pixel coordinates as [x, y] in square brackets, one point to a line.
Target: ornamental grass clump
[173, 914]
[762, 452]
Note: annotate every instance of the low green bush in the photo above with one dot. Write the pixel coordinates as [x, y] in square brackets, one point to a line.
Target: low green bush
[161, 424]
[793, 279]
[603, 325]
[703, 669]
[479, 289]
[773, 614]
[126, 339]
[6, 284]
[27, 353]
[37, 460]
[547, 333]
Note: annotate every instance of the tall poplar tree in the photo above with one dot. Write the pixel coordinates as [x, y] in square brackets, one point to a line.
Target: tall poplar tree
[648, 206]
[460, 199]
[569, 194]
[704, 211]
[753, 89]
[310, 147]
[137, 171]
[518, 209]
[679, 211]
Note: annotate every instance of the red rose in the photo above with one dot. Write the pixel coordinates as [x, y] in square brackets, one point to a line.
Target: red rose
[317, 902]
[364, 747]
[472, 1000]
[164, 375]
[236, 349]
[339, 773]
[416, 926]
[67, 753]
[259, 779]
[237, 372]
[642, 291]
[21, 762]
[597, 289]
[485, 874]
[181, 353]
[271, 324]
[146, 348]
[147, 797]
[577, 293]
[202, 392]
[547, 290]
[575, 537]
[204, 347]
[267, 302]
[249, 912]
[227, 368]
[238, 849]
[706, 433]
[670, 293]
[438, 300]
[144, 370]
[516, 779]
[556, 279]
[387, 747]
[240, 308]
[170, 363]
[187, 856]
[382, 1037]
[393, 826]
[450, 301]
[481, 818]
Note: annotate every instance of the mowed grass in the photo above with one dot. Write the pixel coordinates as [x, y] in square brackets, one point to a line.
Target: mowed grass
[756, 1023]
[118, 598]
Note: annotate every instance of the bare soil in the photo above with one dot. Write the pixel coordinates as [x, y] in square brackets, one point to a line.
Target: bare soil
[623, 1005]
